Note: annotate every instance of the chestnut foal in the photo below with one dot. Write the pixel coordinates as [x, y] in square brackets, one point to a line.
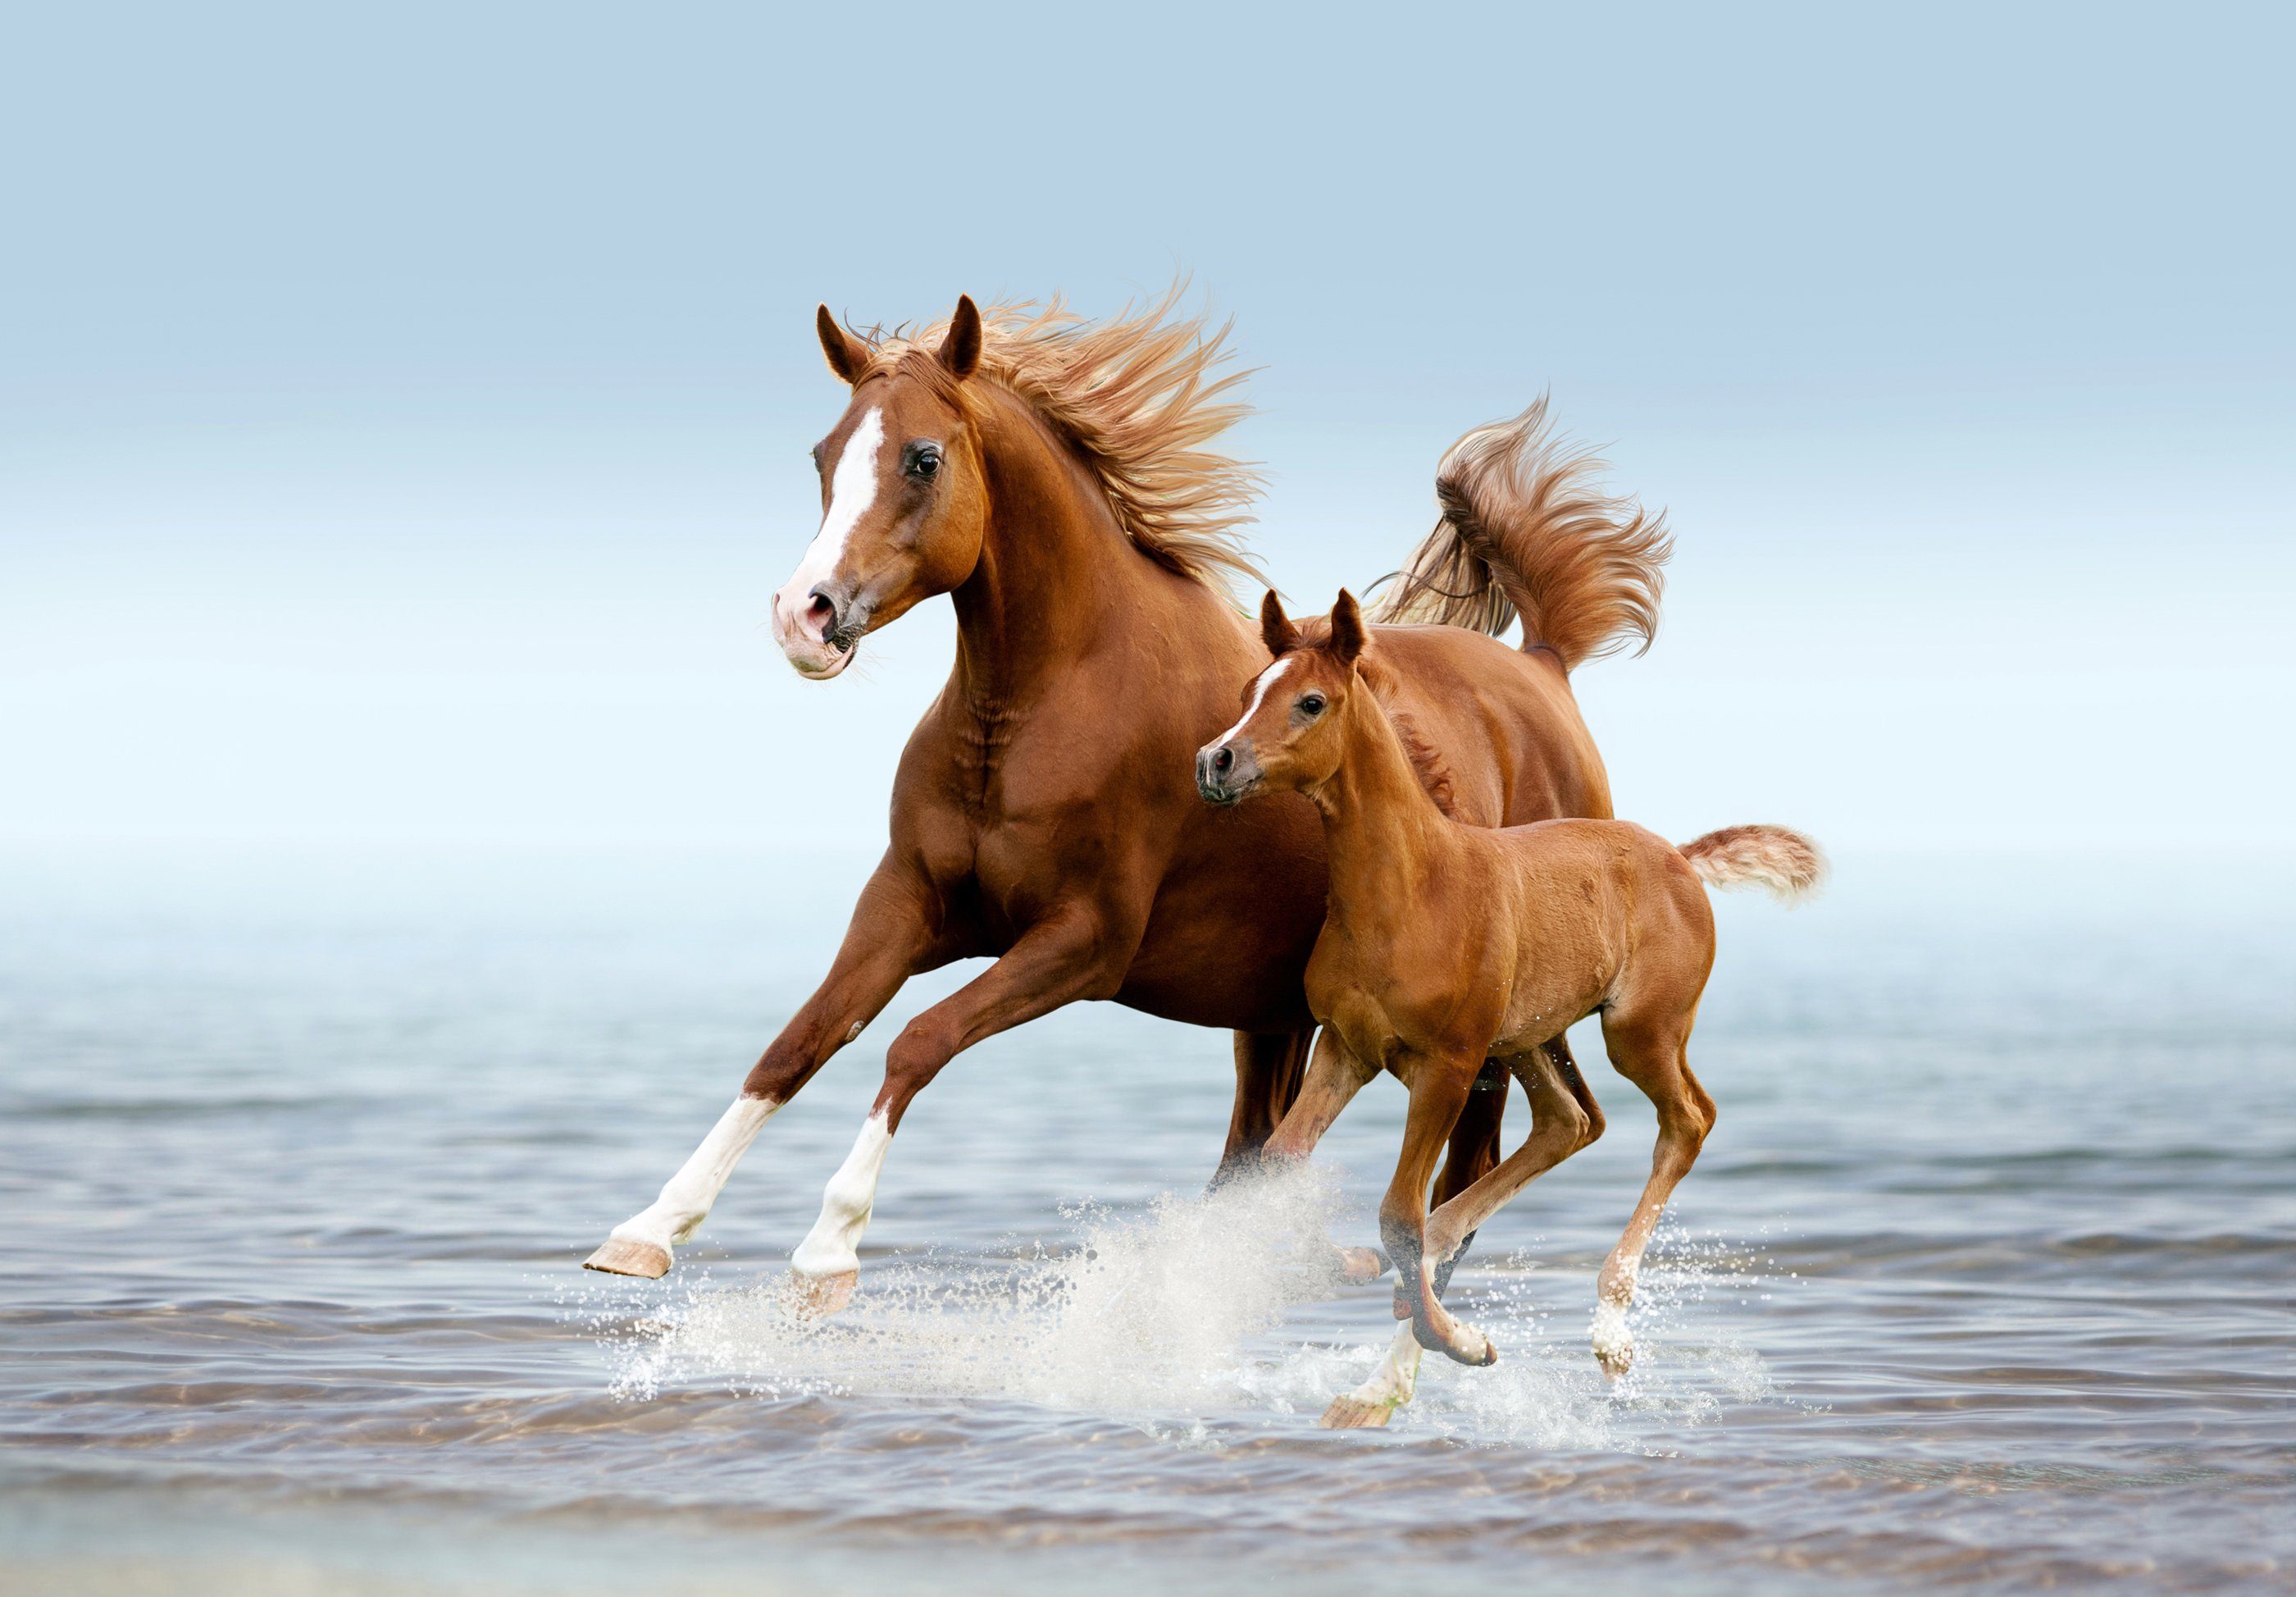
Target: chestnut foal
[1444, 944]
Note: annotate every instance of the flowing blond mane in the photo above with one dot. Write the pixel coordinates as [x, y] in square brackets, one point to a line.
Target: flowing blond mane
[1137, 397]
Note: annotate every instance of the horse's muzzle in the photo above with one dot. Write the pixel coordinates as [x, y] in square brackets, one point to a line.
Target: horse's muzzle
[1226, 772]
[817, 633]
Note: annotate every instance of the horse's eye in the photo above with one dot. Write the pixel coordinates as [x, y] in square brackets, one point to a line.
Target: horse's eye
[814, 455]
[1311, 704]
[926, 463]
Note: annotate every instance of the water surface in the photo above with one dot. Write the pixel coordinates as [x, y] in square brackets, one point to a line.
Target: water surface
[1982, 1281]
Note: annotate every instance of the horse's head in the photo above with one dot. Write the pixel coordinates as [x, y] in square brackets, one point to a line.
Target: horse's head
[1290, 737]
[903, 502]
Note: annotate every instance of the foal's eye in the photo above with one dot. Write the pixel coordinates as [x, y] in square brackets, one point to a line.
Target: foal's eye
[924, 461]
[1311, 703]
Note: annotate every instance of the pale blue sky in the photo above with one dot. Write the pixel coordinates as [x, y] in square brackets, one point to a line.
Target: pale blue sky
[402, 422]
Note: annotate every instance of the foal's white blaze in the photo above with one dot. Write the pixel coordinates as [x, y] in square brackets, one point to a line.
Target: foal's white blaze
[686, 1196]
[1259, 691]
[833, 1246]
[852, 489]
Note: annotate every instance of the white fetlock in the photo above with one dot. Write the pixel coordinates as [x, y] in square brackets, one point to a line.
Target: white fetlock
[825, 1265]
[1391, 1385]
[1614, 1344]
[642, 1245]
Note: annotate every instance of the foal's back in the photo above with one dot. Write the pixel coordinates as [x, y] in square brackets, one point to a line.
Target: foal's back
[1597, 914]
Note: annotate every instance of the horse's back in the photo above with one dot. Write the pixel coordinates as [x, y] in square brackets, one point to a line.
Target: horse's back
[1504, 721]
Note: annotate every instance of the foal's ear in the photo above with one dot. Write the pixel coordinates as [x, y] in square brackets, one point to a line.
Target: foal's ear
[1275, 628]
[849, 357]
[960, 352]
[1347, 629]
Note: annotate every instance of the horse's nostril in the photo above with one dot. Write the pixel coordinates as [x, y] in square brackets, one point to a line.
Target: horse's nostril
[820, 616]
[1222, 759]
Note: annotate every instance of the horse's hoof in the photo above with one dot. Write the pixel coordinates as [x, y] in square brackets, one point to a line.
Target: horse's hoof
[816, 1295]
[1614, 1344]
[1350, 1412]
[623, 1256]
[1360, 1265]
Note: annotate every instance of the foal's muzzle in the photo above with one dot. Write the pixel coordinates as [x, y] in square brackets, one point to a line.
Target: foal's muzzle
[1226, 772]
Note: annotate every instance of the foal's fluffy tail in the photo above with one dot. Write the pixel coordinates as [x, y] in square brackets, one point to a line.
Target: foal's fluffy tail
[1528, 527]
[1786, 863]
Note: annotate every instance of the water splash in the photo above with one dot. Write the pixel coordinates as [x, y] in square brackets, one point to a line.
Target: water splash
[1171, 1319]
[1149, 1312]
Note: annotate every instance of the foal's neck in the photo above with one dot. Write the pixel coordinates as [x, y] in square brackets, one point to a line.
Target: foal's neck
[1381, 829]
[1056, 568]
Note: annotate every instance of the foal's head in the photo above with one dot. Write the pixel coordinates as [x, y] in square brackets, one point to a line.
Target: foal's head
[1290, 736]
[903, 508]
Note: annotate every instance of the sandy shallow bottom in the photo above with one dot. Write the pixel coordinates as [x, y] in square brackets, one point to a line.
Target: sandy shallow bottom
[1982, 1282]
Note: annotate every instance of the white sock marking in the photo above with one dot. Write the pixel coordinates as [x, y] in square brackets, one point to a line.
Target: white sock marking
[833, 1246]
[1398, 1375]
[686, 1196]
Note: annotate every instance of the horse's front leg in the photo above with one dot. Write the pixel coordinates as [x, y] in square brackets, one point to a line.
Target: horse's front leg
[888, 936]
[1070, 954]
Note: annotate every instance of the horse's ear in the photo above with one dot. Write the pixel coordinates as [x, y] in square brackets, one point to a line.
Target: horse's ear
[848, 356]
[960, 352]
[1275, 628]
[1347, 629]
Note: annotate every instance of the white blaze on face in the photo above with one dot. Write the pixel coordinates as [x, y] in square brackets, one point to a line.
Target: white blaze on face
[1259, 691]
[685, 1198]
[852, 489]
[833, 1246]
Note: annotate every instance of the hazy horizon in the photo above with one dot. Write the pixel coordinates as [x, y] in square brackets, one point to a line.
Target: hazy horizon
[406, 419]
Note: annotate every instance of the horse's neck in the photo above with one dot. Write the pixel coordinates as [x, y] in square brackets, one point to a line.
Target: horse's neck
[1055, 568]
[1381, 830]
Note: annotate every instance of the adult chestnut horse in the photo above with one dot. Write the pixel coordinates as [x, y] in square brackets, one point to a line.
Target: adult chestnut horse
[1050, 476]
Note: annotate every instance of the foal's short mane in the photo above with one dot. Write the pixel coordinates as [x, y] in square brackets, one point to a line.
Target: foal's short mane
[1137, 397]
[1426, 759]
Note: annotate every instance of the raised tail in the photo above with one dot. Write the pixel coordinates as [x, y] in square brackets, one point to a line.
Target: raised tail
[1786, 863]
[1527, 529]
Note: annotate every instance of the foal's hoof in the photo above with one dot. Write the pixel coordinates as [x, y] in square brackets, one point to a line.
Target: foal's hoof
[1459, 1342]
[813, 1297]
[622, 1256]
[1360, 1265]
[1350, 1412]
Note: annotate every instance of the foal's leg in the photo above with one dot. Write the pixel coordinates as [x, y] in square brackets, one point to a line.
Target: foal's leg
[1438, 1092]
[884, 945]
[1334, 1077]
[1268, 1070]
[1473, 1153]
[1388, 1388]
[1560, 1127]
[1067, 956]
[1652, 1057]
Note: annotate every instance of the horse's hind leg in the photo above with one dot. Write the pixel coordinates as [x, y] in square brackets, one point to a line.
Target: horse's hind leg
[1654, 1057]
